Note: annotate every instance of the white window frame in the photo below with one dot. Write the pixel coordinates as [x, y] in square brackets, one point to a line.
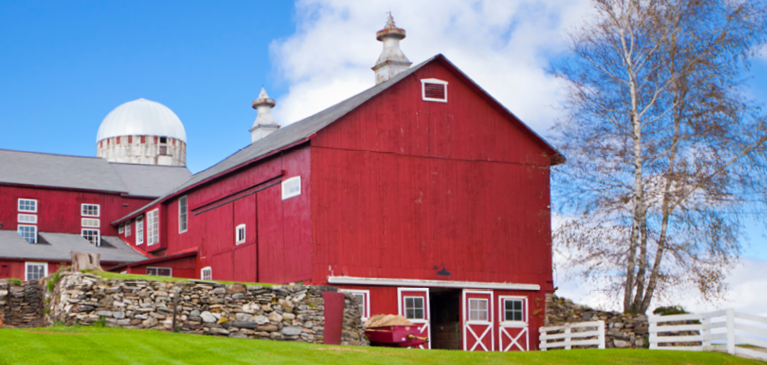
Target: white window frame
[286, 187]
[486, 310]
[127, 229]
[153, 233]
[503, 320]
[183, 217]
[121, 229]
[97, 221]
[423, 306]
[210, 273]
[237, 238]
[433, 81]
[139, 231]
[157, 273]
[32, 218]
[98, 235]
[18, 229]
[365, 301]
[26, 269]
[18, 205]
[98, 210]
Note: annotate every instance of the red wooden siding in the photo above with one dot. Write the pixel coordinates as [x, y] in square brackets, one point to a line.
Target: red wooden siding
[59, 210]
[184, 267]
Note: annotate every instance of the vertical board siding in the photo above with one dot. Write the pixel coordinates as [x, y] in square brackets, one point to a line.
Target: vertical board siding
[271, 258]
[402, 185]
[184, 267]
[59, 211]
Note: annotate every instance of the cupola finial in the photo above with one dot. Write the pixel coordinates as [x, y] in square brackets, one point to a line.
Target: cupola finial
[391, 61]
[265, 122]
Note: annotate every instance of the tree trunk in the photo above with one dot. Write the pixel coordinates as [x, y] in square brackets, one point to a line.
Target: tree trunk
[84, 261]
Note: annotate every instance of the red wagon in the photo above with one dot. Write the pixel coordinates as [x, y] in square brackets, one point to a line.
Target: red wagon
[395, 336]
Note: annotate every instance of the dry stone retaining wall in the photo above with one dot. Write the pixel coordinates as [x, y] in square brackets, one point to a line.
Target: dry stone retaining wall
[21, 305]
[289, 313]
[621, 330]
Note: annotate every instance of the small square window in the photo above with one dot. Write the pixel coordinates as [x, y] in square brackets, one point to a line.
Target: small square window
[414, 308]
[90, 210]
[206, 273]
[240, 233]
[28, 205]
[291, 187]
[434, 90]
[92, 235]
[28, 233]
[163, 150]
[514, 310]
[163, 139]
[35, 270]
[478, 310]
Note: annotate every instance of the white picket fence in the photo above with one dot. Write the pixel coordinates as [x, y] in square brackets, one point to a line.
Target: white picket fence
[568, 338]
[732, 332]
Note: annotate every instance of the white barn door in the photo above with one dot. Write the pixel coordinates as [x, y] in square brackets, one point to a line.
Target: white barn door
[413, 304]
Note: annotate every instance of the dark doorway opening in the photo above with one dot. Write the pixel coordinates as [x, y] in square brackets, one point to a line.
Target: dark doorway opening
[445, 318]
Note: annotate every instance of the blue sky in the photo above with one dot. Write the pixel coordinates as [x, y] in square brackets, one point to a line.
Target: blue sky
[66, 65]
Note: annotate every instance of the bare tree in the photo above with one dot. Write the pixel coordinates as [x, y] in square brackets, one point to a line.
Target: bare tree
[665, 153]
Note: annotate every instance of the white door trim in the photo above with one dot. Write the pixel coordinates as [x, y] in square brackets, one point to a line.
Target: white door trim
[418, 322]
[466, 324]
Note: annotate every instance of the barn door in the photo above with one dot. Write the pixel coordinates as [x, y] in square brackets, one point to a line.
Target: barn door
[513, 331]
[413, 304]
[477, 320]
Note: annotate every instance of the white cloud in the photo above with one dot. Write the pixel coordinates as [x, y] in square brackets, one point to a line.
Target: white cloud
[504, 46]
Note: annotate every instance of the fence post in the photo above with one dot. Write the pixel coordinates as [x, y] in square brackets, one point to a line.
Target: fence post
[706, 333]
[601, 336]
[730, 331]
[567, 338]
[542, 338]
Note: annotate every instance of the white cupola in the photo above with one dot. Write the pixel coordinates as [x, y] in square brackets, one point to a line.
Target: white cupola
[265, 122]
[392, 61]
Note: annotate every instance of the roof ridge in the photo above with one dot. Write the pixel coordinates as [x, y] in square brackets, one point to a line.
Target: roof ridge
[49, 154]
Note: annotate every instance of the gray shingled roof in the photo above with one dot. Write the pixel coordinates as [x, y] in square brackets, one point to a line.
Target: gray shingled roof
[150, 180]
[303, 129]
[59, 245]
[90, 173]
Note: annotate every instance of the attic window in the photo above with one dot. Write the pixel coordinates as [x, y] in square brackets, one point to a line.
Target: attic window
[434, 90]
[163, 139]
[291, 187]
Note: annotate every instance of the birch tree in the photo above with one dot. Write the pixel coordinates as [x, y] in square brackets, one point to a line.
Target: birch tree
[665, 152]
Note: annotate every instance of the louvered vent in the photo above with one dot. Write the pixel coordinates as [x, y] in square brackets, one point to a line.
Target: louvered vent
[434, 90]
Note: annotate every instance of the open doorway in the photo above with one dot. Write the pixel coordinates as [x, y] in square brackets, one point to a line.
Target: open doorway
[445, 318]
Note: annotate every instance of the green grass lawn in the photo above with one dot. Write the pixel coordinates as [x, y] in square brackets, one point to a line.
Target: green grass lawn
[112, 275]
[90, 345]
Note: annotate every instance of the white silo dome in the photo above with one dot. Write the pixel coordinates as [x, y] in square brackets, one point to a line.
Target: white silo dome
[141, 117]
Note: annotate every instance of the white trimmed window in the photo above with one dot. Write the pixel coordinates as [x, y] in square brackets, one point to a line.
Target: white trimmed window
[434, 90]
[28, 218]
[159, 271]
[239, 232]
[414, 308]
[291, 187]
[92, 235]
[478, 310]
[514, 310]
[28, 205]
[139, 231]
[363, 300]
[127, 229]
[92, 222]
[90, 210]
[28, 233]
[183, 213]
[35, 270]
[206, 273]
[153, 227]
[121, 229]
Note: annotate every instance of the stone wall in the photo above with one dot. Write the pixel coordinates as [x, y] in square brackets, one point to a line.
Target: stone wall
[621, 330]
[21, 305]
[289, 313]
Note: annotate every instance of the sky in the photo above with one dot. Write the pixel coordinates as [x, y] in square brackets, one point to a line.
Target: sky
[66, 65]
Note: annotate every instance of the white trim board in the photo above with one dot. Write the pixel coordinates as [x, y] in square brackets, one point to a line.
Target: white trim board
[351, 280]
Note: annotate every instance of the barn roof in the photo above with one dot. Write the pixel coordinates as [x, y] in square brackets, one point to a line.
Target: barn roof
[303, 130]
[88, 173]
[57, 246]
